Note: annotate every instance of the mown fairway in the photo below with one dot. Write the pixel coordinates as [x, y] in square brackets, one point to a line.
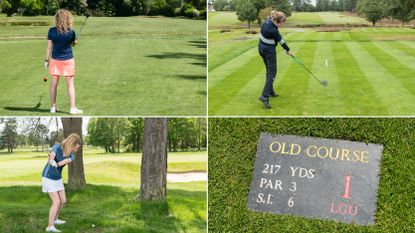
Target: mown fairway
[370, 70]
[108, 202]
[232, 148]
[124, 66]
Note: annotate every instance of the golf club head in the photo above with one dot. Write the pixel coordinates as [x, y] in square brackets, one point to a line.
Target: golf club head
[324, 83]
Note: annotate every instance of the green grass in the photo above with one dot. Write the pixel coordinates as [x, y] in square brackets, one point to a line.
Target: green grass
[25, 167]
[308, 18]
[109, 208]
[232, 148]
[368, 69]
[109, 201]
[124, 66]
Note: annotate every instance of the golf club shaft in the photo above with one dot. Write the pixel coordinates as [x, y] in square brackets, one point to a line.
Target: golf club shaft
[309, 71]
[82, 27]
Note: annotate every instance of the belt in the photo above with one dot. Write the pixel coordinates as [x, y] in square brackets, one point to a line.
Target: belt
[267, 41]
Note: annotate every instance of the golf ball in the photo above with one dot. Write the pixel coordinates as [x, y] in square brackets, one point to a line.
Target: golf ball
[93, 225]
[124, 83]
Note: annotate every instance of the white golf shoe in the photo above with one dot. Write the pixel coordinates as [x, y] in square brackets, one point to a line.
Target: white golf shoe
[52, 229]
[75, 111]
[53, 109]
[59, 222]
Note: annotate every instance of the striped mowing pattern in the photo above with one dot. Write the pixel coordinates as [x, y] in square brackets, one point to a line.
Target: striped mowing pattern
[370, 72]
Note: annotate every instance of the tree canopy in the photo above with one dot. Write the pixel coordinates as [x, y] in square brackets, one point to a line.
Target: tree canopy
[188, 8]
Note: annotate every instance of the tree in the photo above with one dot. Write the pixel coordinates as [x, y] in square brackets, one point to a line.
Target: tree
[154, 160]
[32, 7]
[134, 134]
[76, 174]
[8, 138]
[219, 4]
[280, 5]
[56, 136]
[10, 6]
[403, 10]
[246, 11]
[38, 133]
[201, 132]
[350, 5]
[372, 10]
[107, 133]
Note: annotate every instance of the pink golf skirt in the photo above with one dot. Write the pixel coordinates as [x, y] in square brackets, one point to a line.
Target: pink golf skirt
[62, 68]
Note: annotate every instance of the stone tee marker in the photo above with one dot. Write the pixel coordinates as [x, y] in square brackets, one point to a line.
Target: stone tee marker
[316, 177]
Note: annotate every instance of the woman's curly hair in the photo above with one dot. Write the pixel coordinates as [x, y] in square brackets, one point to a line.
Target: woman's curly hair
[63, 20]
[278, 16]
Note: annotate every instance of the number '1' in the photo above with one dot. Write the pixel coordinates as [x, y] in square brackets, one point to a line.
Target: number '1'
[347, 187]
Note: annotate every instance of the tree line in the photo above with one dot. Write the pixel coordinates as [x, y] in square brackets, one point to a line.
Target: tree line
[184, 134]
[33, 132]
[376, 10]
[188, 8]
[112, 134]
[373, 10]
[324, 5]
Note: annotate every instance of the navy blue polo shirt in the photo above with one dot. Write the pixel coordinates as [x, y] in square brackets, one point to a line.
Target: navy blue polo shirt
[270, 31]
[55, 173]
[62, 43]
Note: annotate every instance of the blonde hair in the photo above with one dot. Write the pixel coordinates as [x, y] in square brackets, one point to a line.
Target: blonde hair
[69, 143]
[63, 20]
[278, 16]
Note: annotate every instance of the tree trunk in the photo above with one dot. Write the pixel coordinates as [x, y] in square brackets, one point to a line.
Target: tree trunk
[76, 175]
[154, 159]
[199, 135]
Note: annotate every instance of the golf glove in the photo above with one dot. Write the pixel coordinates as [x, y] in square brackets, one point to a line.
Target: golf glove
[46, 64]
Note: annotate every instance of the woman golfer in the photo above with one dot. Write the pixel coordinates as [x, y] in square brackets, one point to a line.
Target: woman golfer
[270, 37]
[61, 39]
[52, 183]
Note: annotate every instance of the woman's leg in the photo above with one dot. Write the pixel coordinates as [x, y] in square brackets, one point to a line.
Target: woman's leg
[56, 203]
[53, 90]
[271, 63]
[71, 90]
[62, 197]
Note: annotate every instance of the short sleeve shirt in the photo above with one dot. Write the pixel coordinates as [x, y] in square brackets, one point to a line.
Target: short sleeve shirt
[62, 44]
[55, 173]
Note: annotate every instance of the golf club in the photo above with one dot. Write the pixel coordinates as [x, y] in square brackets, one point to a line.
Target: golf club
[322, 82]
[83, 24]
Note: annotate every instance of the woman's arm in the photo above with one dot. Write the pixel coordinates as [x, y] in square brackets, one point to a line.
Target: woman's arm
[64, 162]
[282, 42]
[48, 51]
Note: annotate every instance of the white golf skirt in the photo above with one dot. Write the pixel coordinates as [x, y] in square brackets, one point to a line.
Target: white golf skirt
[49, 185]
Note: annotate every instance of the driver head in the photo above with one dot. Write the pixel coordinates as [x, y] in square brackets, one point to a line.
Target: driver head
[324, 82]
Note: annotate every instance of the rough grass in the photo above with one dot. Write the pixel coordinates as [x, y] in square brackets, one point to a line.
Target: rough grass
[232, 148]
[368, 72]
[124, 66]
[109, 201]
[109, 208]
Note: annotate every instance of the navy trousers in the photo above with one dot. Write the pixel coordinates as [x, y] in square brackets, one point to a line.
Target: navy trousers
[269, 56]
